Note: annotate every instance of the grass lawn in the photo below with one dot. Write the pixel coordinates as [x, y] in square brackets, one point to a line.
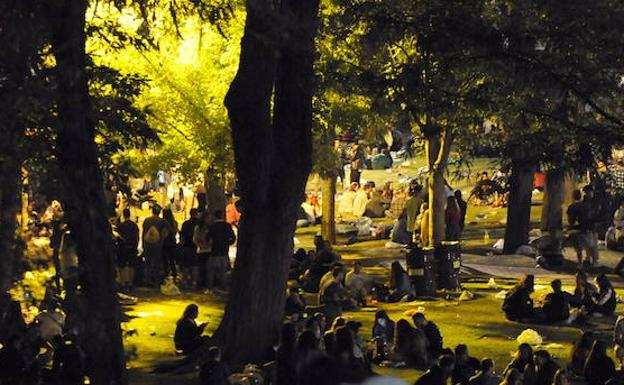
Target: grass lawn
[478, 323]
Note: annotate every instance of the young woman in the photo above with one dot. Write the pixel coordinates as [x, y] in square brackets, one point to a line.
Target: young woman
[188, 335]
[452, 219]
[522, 358]
[599, 368]
[605, 300]
[383, 327]
[400, 284]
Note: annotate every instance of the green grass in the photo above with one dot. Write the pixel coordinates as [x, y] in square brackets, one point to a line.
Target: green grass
[478, 323]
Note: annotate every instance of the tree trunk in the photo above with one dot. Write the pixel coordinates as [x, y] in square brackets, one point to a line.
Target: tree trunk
[273, 160]
[20, 39]
[437, 147]
[9, 206]
[519, 206]
[328, 219]
[83, 196]
[552, 207]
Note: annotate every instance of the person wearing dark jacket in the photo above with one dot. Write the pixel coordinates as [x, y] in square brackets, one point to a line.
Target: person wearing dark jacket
[518, 305]
[556, 306]
[188, 335]
[213, 371]
[599, 368]
[465, 366]
[221, 237]
[545, 368]
[432, 333]
[127, 257]
[437, 374]
[286, 356]
[189, 263]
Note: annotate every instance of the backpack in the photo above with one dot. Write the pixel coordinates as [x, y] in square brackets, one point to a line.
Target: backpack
[152, 235]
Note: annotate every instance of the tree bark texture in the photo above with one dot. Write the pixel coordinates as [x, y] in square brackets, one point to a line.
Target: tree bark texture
[328, 219]
[83, 196]
[519, 205]
[437, 147]
[273, 155]
[554, 195]
[19, 39]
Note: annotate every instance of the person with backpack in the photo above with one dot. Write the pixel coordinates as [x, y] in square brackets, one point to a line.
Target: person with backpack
[155, 230]
[221, 237]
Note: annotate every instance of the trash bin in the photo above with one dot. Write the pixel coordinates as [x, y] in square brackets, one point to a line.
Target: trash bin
[448, 258]
[421, 270]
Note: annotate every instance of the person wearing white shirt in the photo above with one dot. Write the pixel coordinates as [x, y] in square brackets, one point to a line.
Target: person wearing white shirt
[358, 283]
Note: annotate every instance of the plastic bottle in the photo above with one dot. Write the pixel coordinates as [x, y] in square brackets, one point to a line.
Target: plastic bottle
[486, 237]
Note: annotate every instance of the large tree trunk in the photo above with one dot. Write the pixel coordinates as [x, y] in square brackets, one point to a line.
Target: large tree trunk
[273, 160]
[552, 207]
[20, 38]
[83, 196]
[519, 205]
[437, 147]
[328, 220]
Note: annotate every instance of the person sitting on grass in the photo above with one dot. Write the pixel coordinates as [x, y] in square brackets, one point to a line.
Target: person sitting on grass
[188, 335]
[556, 308]
[333, 295]
[518, 305]
[213, 371]
[605, 300]
[465, 366]
[383, 327]
[358, 283]
[400, 285]
[522, 358]
[580, 352]
[545, 368]
[432, 333]
[485, 375]
[512, 377]
[583, 291]
[599, 368]
[410, 346]
[438, 374]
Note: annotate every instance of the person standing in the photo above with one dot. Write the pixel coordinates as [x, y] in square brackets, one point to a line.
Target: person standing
[221, 237]
[190, 269]
[201, 241]
[412, 207]
[463, 209]
[170, 245]
[155, 230]
[579, 218]
[128, 250]
[452, 218]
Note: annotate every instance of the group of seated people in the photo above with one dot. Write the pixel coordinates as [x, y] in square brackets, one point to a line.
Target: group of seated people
[366, 201]
[586, 301]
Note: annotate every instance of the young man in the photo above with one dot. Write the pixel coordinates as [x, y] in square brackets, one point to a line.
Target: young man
[579, 218]
[331, 294]
[545, 368]
[556, 306]
[128, 250]
[221, 238]
[358, 283]
[432, 332]
[155, 230]
[465, 366]
[412, 208]
[190, 269]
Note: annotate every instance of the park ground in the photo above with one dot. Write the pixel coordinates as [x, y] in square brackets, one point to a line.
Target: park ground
[479, 323]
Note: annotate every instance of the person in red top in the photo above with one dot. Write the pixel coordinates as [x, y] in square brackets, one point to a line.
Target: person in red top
[232, 215]
[453, 219]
